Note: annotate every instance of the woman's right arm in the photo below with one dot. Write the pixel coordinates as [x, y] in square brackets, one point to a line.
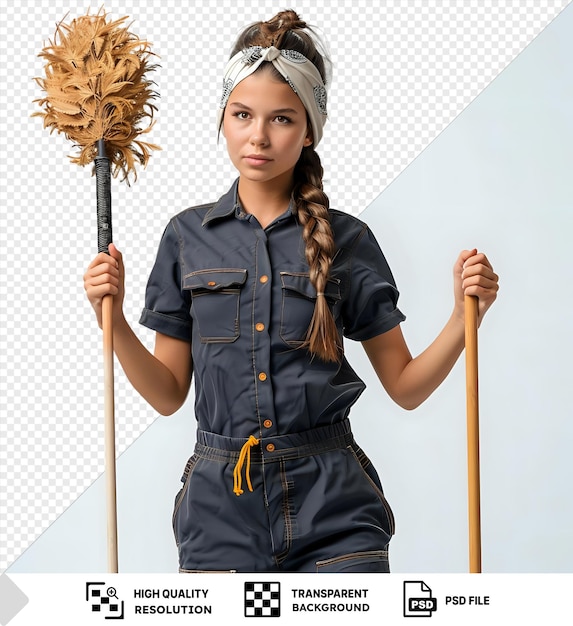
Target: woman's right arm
[162, 378]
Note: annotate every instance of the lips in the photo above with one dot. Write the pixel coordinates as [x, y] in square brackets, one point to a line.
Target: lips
[257, 159]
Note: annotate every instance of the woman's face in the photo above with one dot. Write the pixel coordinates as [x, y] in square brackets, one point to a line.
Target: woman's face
[265, 127]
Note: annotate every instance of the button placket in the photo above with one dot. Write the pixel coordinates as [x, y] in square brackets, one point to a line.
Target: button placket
[261, 340]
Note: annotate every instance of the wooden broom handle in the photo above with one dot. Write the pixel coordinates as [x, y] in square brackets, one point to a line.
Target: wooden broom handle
[472, 401]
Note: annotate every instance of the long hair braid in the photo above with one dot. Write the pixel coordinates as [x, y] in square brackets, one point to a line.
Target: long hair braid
[312, 205]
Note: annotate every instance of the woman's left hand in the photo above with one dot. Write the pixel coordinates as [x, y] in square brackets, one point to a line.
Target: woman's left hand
[474, 276]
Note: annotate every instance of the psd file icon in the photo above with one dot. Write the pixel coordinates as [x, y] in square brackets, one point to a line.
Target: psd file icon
[418, 599]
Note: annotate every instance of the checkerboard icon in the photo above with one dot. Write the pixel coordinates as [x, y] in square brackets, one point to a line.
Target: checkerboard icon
[262, 599]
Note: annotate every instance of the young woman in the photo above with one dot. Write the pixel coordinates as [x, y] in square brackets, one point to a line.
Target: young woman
[254, 294]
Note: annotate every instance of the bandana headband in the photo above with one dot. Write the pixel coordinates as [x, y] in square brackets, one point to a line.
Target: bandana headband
[302, 75]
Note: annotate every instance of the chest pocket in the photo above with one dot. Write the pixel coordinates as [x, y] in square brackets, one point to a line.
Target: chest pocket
[215, 303]
[298, 300]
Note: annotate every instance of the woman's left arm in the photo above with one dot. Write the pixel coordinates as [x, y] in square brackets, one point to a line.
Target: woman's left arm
[409, 381]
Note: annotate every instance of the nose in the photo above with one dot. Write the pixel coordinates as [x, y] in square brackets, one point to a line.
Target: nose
[259, 135]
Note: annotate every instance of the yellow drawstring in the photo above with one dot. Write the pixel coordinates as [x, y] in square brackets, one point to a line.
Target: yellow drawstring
[245, 452]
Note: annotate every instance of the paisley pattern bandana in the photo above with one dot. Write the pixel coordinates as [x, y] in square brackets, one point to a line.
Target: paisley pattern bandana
[302, 75]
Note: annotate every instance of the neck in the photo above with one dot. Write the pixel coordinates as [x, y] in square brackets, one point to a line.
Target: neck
[266, 201]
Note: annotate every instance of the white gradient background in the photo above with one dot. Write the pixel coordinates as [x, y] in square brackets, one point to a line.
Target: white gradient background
[450, 126]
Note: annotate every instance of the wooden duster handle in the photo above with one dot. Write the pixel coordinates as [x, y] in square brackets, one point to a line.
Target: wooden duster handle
[471, 349]
[109, 433]
[103, 184]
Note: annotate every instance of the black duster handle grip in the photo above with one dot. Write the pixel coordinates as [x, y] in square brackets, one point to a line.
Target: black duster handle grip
[103, 187]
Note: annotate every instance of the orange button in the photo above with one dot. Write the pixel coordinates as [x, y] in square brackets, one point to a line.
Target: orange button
[260, 326]
[264, 278]
[267, 423]
[211, 283]
[262, 376]
[270, 447]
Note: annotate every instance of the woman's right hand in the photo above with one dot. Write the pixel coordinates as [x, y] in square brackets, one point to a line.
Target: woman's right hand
[105, 276]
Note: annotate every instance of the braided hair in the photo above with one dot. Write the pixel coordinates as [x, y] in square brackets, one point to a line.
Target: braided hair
[286, 31]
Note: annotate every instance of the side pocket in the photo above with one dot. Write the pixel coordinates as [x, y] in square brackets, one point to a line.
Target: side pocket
[372, 477]
[373, 561]
[185, 479]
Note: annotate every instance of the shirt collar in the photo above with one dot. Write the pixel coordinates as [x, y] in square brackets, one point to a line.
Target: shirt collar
[225, 206]
[229, 204]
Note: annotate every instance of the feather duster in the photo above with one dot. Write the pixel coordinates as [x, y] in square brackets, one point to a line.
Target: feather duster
[97, 95]
[96, 88]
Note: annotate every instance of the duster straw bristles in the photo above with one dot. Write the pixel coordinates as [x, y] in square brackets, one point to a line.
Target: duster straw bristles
[96, 88]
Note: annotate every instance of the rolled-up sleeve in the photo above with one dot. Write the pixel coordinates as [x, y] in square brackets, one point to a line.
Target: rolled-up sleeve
[167, 304]
[371, 306]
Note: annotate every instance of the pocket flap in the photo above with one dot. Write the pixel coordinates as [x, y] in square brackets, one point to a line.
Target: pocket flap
[300, 283]
[215, 279]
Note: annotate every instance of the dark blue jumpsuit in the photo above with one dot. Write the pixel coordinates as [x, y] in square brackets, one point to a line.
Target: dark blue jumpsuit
[270, 417]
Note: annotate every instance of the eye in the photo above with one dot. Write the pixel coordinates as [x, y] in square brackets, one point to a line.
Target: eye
[241, 115]
[283, 119]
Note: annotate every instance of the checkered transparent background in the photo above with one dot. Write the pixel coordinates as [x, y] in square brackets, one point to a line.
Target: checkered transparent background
[402, 72]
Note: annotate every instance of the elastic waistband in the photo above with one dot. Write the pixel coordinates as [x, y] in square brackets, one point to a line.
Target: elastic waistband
[280, 448]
